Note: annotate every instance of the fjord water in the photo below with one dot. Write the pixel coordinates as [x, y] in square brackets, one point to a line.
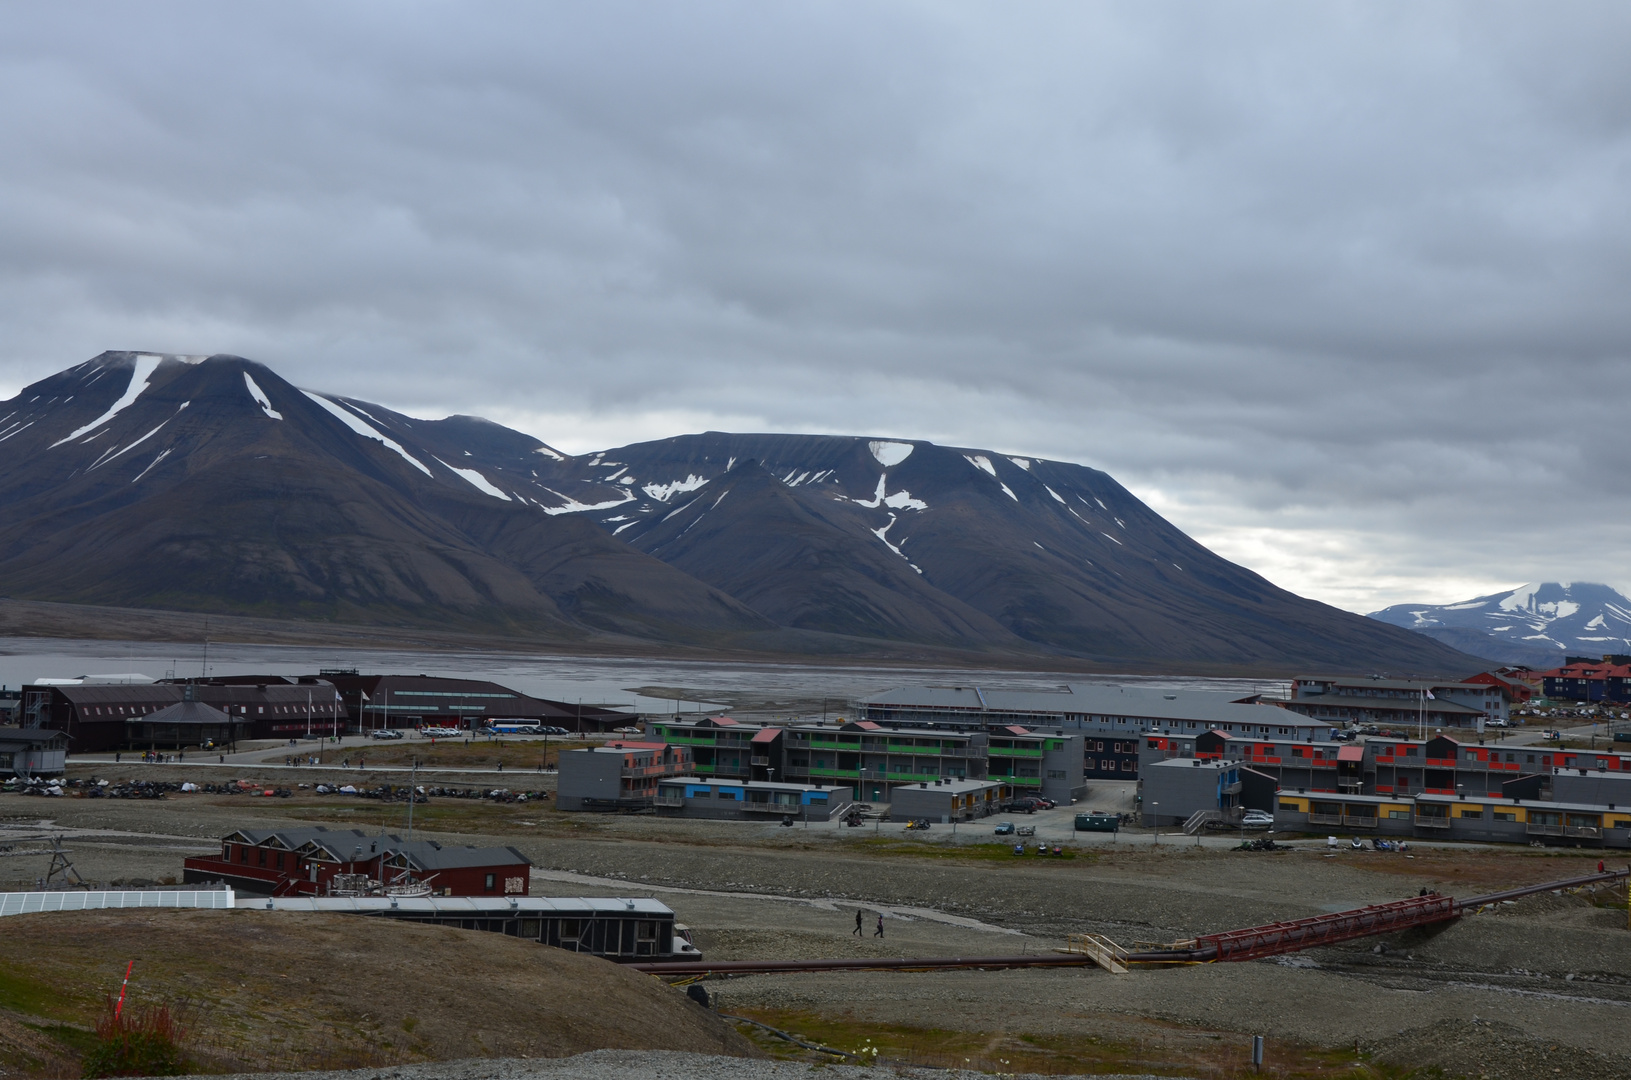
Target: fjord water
[591, 680]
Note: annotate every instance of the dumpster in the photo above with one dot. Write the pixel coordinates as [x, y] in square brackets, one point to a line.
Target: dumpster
[1098, 823]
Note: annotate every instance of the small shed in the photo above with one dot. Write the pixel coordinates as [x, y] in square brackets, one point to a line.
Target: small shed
[33, 752]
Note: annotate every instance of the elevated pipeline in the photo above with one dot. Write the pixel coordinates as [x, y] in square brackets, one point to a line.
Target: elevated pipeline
[1233, 945]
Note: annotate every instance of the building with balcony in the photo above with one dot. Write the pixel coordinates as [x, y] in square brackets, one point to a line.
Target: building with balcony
[874, 760]
[1111, 719]
[723, 748]
[618, 776]
[710, 797]
[1449, 817]
[1040, 763]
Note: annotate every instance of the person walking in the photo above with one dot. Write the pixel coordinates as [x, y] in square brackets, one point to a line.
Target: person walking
[857, 923]
[879, 931]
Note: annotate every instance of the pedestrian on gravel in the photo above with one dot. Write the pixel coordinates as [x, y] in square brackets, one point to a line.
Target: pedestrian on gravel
[879, 931]
[857, 923]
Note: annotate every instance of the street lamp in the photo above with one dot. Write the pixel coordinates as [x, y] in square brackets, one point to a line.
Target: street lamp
[1155, 816]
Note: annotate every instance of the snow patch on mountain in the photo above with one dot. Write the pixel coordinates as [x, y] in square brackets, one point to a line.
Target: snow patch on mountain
[981, 462]
[358, 425]
[572, 506]
[112, 455]
[477, 481]
[146, 364]
[152, 465]
[1024, 463]
[883, 534]
[890, 454]
[900, 500]
[664, 492]
[261, 399]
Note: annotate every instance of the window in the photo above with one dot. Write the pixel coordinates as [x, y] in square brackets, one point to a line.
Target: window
[1505, 815]
[1398, 814]
[1056, 774]
[1470, 812]
[490, 882]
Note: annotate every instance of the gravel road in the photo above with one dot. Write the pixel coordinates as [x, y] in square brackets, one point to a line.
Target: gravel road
[646, 1065]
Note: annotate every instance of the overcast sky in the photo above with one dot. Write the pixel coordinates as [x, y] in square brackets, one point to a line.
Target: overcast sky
[1342, 290]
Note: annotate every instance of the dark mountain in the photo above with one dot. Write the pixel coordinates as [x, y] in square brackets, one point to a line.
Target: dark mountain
[1059, 556]
[1537, 625]
[214, 485]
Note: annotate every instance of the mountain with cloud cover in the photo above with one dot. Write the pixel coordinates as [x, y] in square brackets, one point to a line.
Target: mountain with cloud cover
[213, 485]
[1534, 624]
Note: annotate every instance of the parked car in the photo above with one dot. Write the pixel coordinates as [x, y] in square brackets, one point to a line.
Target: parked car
[1552, 735]
[385, 733]
[625, 731]
[1004, 828]
[1256, 819]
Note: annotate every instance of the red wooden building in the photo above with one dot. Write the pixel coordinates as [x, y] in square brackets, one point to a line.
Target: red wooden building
[305, 862]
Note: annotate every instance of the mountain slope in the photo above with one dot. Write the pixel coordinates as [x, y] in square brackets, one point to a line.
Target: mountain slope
[211, 484]
[1058, 555]
[1534, 624]
[214, 485]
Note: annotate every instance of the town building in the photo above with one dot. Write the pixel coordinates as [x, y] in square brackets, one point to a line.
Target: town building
[618, 776]
[317, 861]
[1449, 817]
[875, 760]
[1043, 763]
[32, 752]
[1587, 680]
[1174, 790]
[710, 797]
[413, 701]
[722, 748]
[1398, 703]
[1110, 719]
[96, 716]
[946, 801]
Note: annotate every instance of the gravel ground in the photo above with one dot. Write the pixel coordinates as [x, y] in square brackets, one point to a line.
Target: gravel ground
[1537, 988]
[646, 1065]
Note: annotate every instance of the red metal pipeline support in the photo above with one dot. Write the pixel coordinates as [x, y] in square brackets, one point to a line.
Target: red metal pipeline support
[1298, 934]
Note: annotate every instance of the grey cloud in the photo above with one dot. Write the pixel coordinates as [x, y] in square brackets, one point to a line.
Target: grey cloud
[1352, 276]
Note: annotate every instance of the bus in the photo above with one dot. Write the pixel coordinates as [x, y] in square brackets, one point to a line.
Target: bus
[515, 727]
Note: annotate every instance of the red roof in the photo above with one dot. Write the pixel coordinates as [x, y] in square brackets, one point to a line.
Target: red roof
[768, 735]
[1017, 730]
[1350, 753]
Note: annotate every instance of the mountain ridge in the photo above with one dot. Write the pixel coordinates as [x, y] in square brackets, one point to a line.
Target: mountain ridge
[190, 483]
[1537, 624]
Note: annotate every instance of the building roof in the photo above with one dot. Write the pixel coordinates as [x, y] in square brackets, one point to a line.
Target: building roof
[18, 736]
[1091, 699]
[1390, 684]
[954, 786]
[768, 735]
[1354, 701]
[474, 905]
[185, 712]
[346, 845]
